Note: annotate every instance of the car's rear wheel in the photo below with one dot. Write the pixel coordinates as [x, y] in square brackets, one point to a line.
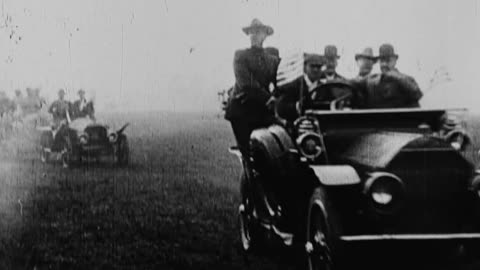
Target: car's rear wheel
[317, 246]
[244, 228]
[245, 215]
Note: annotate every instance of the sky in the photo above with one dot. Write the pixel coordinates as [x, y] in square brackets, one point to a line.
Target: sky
[176, 55]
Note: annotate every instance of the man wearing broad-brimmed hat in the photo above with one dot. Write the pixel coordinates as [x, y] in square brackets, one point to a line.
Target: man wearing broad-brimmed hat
[365, 61]
[331, 61]
[297, 92]
[390, 88]
[255, 68]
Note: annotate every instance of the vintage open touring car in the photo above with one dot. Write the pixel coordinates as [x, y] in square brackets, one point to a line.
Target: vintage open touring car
[336, 178]
[83, 139]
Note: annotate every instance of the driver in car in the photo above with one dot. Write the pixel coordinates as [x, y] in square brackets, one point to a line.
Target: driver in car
[297, 92]
[331, 62]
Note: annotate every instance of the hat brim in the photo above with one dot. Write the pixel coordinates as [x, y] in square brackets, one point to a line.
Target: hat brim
[332, 57]
[387, 56]
[371, 57]
[248, 29]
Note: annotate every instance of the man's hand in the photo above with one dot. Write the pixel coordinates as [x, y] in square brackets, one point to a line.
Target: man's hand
[271, 103]
[394, 74]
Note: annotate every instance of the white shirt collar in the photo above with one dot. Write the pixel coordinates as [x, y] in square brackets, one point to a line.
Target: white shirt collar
[311, 85]
[83, 103]
[330, 77]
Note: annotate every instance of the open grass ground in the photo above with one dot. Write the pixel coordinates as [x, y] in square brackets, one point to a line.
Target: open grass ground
[173, 208]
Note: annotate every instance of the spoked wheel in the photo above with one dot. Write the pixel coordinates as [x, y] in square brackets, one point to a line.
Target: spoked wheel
[245, 215]
[244, 228]
[318, 253]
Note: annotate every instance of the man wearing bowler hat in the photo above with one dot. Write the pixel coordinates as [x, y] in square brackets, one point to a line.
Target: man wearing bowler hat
[296, 93]
[331, 61]
[365, 61]
[390, 88]
[255, 68]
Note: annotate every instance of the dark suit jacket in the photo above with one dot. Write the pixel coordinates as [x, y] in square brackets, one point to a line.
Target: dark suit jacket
[297, 91]
[59, 109]
[386, 91]
[255, 69]
[87, 110]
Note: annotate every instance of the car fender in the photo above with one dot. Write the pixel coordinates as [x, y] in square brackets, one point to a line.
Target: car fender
[120, 131]
[336, 175]
[282, 136]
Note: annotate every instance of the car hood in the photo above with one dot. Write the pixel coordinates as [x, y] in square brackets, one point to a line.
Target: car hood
[80, 124]
[376, 150]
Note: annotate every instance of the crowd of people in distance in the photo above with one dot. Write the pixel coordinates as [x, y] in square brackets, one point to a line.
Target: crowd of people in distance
[33, 108]
[259, 97]
[22, 105]
[14, 110]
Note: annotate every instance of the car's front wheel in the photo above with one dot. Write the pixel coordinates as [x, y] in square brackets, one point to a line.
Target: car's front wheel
[318, 234]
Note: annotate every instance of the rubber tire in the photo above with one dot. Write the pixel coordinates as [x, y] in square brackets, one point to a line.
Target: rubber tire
[321, 215]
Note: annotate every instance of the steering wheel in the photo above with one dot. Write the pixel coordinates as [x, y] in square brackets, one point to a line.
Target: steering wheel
[334, 95]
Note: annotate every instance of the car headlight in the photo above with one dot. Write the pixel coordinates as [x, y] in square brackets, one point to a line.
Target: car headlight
[385, 191]
[113, 137]
[476, 184]
[310, 145]
[382, 197]
[458, 139]
[306, 124]
[83, 139]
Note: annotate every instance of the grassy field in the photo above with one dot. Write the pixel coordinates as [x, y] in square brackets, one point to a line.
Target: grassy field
[173, 208]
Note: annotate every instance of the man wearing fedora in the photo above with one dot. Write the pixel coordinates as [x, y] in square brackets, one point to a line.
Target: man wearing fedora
[296, 93]
[365, 61]
[255, 68]
[82, 108]
[390, 88]
[331, 61]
